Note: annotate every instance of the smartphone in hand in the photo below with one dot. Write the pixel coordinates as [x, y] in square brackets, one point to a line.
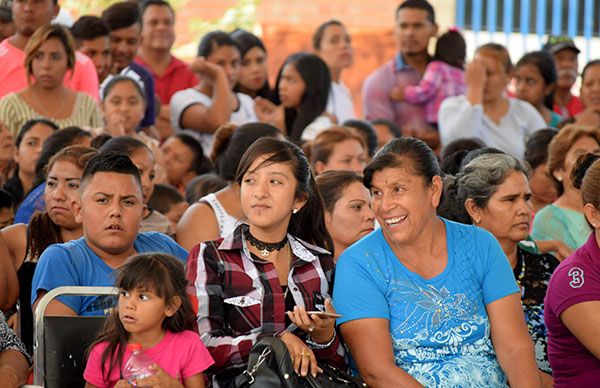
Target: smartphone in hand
[324, 314]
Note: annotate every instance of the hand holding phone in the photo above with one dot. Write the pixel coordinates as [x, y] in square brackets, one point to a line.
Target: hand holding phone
[323, 314]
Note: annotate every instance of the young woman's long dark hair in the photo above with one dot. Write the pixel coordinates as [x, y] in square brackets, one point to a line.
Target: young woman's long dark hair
[309, 223]
[160, 273]
[315, 74]
[246, 42]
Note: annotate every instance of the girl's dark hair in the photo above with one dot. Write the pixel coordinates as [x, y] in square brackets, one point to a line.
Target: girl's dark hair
[536, 147]
[43, 232]
[320, 32]
[309, 223]
[408, 152]
[203, 185]
[544, 62]
[200, 163]
[111, 82]
[331, 185]
[455, 151]
[54, 144]
[229, 145]
[213, 40]
[30, 124]
[159, 273]
[367, 131]
[580, 169]
[125, 144]
[451, 48]
[316, 77]
[246, 41]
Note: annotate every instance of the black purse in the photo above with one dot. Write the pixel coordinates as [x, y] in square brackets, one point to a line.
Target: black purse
[270, 366]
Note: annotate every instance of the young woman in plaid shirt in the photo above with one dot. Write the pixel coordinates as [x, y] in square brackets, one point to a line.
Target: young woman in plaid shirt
[262, 279]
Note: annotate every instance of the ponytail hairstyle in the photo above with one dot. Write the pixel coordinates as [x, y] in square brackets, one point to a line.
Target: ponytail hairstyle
[230, 143]
[586, 177]
[317, 80]
[309, 223]
[160, 273]
[43, 232]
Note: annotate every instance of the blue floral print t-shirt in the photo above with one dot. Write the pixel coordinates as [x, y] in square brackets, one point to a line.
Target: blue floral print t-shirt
[439, 327]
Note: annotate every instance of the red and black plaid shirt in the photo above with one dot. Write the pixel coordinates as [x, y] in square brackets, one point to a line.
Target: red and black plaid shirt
[240, 299]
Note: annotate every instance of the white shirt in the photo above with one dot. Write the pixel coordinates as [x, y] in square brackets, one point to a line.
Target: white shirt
[340, 102]
[183, 99]
[459, 119]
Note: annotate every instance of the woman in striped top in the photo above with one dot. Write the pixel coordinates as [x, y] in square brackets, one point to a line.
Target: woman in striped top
[50, 55]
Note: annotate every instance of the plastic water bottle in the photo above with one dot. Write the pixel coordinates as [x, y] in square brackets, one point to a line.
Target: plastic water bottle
[138, 365]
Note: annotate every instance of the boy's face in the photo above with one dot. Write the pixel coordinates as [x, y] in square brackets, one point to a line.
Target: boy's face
[176, 212]
[124, 43]
[98, 50]
[7, 216]
[111, 210]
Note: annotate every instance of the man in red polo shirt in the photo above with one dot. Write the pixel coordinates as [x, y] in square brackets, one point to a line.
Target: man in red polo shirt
[169, 73]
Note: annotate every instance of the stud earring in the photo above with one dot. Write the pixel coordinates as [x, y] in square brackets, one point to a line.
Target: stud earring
[559, 178]
[294, 211]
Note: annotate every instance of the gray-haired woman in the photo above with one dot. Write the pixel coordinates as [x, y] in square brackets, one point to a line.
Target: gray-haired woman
[427, 301]
[492, 191]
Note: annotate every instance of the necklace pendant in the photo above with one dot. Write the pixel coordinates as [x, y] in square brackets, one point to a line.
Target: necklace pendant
[264, 253]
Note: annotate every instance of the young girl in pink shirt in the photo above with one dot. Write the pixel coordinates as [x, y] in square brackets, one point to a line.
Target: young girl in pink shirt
[154, 311]
[443, 77]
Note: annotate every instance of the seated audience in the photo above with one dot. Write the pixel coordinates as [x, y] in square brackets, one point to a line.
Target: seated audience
[254, 78]
[212, 103]
[301, 91]
[168, 201]
[50, 53]
[337, 148]
[28, 20]
[281, 251]
[347, 203]
[386, 130]
[590, 82]
[110, 210]
[184, 159]
[221, 211]
[54, 225]
[169, 73]
[123, 21]
[444, 77]
[203, 185]
[543, 189]
[493, 193]
[424, 300]
[333, 44]
[535, 81]
[572, 300]
[9, 282]
[14, 360]
[92, 38]
[29, 144]
[563, 220]
[7, 208]
[485, 111]
[564, 52]
[59, 140]
[143, 158]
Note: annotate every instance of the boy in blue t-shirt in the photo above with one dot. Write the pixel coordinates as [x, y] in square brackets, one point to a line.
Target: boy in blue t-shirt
[110, 210]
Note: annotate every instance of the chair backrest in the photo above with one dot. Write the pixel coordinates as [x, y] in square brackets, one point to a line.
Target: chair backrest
[61, 342]
[66, 340]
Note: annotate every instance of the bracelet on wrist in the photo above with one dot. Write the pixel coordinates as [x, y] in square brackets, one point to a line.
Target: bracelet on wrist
[315, 345]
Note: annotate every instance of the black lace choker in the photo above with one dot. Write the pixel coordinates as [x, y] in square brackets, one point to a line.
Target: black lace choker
[264, 247]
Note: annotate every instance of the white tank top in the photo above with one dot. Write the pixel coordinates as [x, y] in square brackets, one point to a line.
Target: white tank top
[226, 222]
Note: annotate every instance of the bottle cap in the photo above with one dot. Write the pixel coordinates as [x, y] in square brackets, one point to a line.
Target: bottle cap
[134, 346]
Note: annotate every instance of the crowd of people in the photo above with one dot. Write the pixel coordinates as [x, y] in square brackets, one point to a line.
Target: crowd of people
[450, 237]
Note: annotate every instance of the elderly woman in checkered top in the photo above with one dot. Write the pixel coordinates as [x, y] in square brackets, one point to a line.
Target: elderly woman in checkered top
[264, 278]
